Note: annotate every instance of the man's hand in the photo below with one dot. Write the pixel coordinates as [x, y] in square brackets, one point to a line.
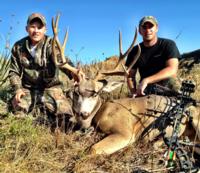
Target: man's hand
[142, 86]
[17, 99]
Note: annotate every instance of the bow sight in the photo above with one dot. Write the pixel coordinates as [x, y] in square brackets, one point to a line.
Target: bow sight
[187, 88]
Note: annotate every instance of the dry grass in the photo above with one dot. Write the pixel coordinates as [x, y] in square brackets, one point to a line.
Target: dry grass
[193, 74]
[26, 147]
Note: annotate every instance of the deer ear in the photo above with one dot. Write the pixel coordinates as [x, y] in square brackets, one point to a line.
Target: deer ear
[100, 84]
[112, 86]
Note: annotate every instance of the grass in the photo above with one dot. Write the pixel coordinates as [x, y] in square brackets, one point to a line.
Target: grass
[28, 147]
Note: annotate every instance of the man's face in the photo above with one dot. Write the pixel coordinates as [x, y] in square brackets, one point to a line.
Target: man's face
[148, 31]
[36, 31]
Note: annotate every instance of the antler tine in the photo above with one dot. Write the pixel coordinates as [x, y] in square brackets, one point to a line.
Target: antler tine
[132, 44]
[65, 39]
[135, 59]
[54, 42]
[57, 19]
[136, 56]
[57, 42]
[120, 45]
[133, 62]
[121, 55]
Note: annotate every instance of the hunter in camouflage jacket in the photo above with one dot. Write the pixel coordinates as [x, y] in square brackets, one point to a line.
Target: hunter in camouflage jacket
[37, 76]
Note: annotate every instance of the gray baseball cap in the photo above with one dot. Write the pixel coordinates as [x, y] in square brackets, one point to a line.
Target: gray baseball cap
[38, 16]
[150, 19]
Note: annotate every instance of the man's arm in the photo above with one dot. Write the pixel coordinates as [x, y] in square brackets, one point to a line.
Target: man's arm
[15, 78]
[169, 71]
[15, 70]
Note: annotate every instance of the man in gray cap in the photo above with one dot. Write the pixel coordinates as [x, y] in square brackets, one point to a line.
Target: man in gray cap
[33, 74]
[158, 62]
[157, 65]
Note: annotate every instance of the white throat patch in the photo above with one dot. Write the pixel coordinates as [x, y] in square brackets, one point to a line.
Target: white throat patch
[88, 105]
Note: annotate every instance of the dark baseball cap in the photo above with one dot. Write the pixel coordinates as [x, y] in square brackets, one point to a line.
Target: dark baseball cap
[36, 16]
[149, 19]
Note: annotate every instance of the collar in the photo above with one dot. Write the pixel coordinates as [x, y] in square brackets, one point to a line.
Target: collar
[38, 46]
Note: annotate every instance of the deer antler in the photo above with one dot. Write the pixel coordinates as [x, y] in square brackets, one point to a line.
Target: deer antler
[116, 70]
[56, 42]
[57, 49]
[122, 56]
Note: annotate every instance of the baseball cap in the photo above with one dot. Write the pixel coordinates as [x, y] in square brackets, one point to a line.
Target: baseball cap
[150, 19]
[36, 15]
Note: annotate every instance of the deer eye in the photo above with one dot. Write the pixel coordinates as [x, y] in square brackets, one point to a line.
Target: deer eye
[94, 94]
[91, 93]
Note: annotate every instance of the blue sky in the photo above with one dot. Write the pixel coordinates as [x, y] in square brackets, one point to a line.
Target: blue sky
[94, 25]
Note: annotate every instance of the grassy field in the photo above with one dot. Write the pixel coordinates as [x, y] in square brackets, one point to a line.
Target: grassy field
[27, 146]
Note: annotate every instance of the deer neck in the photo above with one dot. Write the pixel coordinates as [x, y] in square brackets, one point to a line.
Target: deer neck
[97, 107]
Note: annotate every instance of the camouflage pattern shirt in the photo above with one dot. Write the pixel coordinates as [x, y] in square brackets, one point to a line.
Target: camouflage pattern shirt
[38, 72]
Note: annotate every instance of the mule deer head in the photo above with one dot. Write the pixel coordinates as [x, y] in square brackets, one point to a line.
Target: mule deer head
[86, 100]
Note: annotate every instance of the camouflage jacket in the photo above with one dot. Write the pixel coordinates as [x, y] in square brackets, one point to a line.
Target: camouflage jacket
[37, 72]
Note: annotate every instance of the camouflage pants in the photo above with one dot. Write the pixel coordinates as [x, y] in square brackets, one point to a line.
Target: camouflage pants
[51, 99]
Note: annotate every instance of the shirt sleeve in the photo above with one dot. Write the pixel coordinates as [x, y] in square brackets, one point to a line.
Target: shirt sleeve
[172, 50]
[15, 70]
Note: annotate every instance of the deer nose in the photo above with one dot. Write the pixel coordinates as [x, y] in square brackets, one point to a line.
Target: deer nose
[84, 114]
